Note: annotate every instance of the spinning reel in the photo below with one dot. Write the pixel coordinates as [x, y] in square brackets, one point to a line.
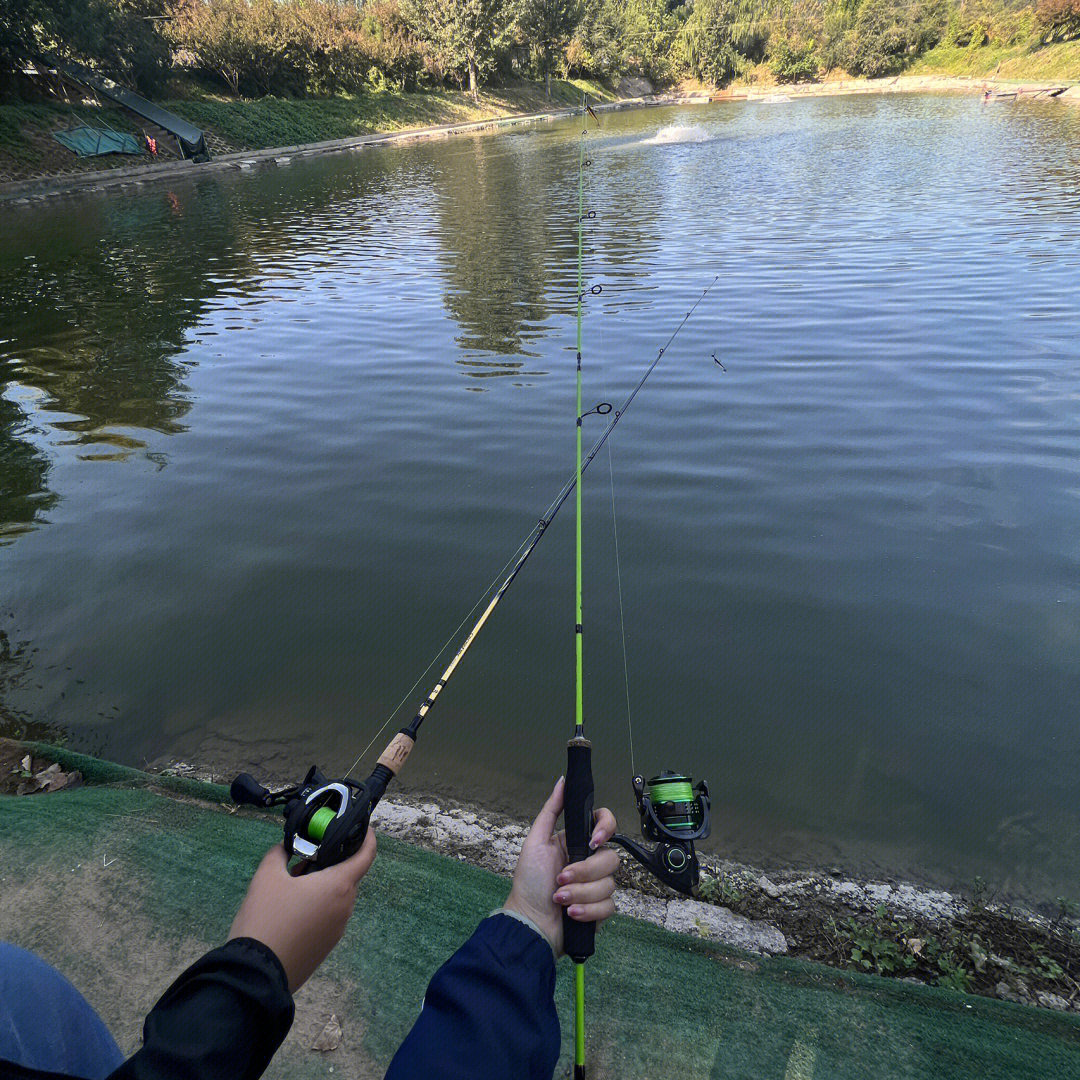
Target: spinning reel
[325, 820]
[674, 813]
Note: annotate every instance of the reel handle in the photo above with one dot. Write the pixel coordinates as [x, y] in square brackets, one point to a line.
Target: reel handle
[246, 790]
[675, 864]
[579, 939]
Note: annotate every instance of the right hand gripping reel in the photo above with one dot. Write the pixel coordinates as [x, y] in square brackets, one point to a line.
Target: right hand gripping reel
[325, 820]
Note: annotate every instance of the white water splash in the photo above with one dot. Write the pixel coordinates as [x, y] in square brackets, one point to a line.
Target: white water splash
[678, 133]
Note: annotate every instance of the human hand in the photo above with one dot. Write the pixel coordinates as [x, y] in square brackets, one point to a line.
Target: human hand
[544, 884]
[301, 918]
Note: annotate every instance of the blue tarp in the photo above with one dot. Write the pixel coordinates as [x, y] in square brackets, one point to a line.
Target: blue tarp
[90, 142]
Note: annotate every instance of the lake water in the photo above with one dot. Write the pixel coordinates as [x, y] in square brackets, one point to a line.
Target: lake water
[266, 436]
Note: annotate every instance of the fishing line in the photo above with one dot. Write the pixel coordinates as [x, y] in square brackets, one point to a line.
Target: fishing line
[442, 649]
[326, 820]
[528, 544]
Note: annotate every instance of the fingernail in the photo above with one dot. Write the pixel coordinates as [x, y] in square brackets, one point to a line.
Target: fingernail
[575, 910]
[561, 897]
[594, 841]
[565, 878]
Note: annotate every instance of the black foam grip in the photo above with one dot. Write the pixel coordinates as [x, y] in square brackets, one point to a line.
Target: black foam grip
[579, 939]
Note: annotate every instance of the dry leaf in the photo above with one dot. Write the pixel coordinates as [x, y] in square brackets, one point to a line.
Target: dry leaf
[330, 1036]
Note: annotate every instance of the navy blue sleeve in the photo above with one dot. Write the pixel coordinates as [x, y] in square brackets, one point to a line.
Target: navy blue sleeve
[489, 1013]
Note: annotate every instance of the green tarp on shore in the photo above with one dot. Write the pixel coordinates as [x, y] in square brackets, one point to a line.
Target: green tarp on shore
[123, 882]
[93, 142]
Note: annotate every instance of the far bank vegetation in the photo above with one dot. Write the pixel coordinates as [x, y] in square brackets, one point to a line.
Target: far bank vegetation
[319, 48]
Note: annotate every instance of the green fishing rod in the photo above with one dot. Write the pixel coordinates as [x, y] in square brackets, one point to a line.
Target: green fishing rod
[326, 820]
[579, 939]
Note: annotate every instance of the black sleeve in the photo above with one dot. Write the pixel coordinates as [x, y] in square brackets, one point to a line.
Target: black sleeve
[489, 1013]
[223, 1019]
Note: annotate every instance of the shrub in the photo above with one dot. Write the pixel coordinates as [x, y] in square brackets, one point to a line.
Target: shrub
[1059, 20]
[887, 34]
[286, 47]
[792, 62]
[722, 36]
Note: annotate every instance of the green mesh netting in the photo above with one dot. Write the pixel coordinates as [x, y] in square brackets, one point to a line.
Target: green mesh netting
[113, 882]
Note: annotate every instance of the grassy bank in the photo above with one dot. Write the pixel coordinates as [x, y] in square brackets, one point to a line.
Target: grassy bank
[266, 122]
[1014, 63]
[27, 148]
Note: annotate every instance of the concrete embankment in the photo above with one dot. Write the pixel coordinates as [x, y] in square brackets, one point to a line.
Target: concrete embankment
[136, 176]
[900, 84]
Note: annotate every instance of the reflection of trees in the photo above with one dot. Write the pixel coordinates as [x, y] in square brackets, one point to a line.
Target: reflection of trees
[99, 311]
[99, 297]
[495, 221]
[23, 469]
[14, 668]
[507, 223]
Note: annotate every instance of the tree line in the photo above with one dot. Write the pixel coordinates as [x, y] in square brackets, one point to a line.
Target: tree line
[319, 47]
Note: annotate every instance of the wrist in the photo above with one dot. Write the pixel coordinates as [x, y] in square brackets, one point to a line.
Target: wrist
[524, 914]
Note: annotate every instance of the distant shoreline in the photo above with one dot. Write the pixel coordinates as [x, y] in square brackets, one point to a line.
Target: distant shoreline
[45, 187]
[897, 84]
[40, 188]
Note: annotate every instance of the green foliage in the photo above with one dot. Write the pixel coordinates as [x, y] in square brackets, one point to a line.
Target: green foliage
[887, 34]
[613, 37]
[1067, 908]
[882, 946]
[120, 37]
[650, 31]
[889, 946]
[466, 35]
[307, 48]
[718, 890]
[793, 62]
[598, 46]
[978, 23]
[722, 36]
[547, 25]
[285, 47]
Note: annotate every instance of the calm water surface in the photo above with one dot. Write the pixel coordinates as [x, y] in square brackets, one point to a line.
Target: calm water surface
[265, 437]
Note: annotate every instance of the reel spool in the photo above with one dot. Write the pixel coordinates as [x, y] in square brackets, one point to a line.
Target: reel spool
[674, 813]
[325, 820]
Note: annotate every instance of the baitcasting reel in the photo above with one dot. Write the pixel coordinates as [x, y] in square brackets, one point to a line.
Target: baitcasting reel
[674, 813]
[325, 820]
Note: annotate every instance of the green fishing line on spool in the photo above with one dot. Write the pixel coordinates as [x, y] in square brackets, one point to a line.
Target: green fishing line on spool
[317, 826]
[674, 802]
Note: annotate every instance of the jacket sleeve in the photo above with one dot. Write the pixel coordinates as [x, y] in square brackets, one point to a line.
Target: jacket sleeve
[489, 1013]
[222, 1019]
